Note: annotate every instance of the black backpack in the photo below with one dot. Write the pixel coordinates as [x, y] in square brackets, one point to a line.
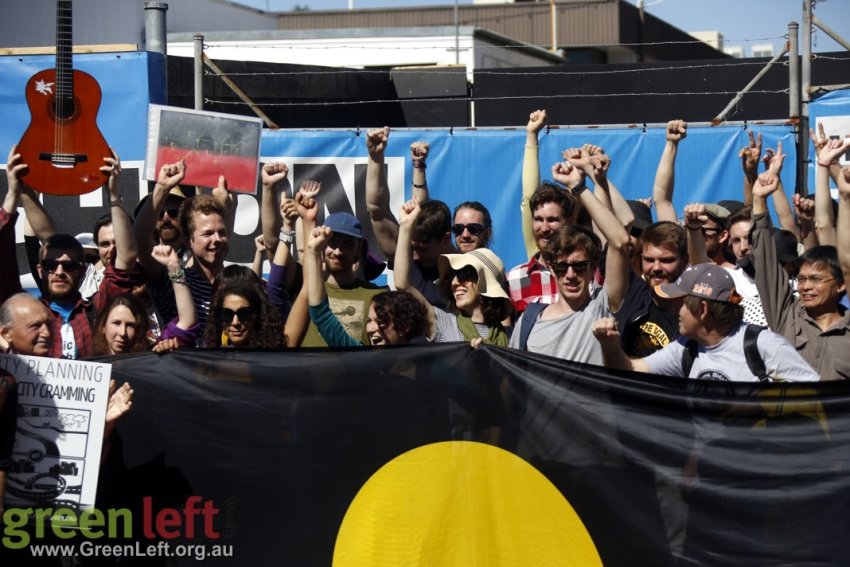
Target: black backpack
[751, 353]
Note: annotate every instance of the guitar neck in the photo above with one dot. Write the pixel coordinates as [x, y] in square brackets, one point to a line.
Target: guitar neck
[64, 50]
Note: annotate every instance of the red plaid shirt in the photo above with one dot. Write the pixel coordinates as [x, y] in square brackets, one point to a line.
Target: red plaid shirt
[115, 282]
[10, 283]
[532, 283]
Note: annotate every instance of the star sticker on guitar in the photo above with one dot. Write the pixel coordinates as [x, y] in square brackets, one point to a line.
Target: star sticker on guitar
[43, 87]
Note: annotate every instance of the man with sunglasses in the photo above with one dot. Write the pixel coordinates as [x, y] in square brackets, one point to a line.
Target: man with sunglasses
[563, 328]
[472, 227]
[815, 323]
[61, 268]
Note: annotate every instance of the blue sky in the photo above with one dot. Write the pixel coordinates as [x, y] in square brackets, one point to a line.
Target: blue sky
[735, 19]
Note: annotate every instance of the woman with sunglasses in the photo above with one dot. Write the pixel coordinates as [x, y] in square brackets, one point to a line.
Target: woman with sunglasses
[474, 284]
[241, 315]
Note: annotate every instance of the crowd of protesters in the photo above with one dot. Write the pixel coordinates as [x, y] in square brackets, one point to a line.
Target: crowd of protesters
[721, 294]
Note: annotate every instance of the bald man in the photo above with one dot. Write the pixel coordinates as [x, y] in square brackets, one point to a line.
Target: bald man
[25, 329]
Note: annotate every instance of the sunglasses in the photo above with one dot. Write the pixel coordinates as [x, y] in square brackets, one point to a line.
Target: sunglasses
[245, 314]
[67, 265]
[561, 268]
[474, 228]
[465, 274]
[172, 212]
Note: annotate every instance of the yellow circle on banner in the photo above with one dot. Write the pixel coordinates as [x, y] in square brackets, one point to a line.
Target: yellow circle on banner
[460, 503]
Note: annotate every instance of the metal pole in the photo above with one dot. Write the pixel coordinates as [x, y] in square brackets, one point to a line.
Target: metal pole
[554, 17]
[457, 35]
[750, 85]
[829, 31]
[806, 83]
[199, 71]
[793, 71]
[155, 27]
[155, 37]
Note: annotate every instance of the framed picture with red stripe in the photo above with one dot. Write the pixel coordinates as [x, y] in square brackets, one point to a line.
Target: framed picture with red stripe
[211, 144]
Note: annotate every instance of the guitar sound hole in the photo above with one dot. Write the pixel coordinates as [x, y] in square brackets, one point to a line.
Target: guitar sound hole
[63, 110]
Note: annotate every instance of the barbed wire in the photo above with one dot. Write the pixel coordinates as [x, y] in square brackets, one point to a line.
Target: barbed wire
[560, 73]
[213, 44]
[830, 58]
[484, 98]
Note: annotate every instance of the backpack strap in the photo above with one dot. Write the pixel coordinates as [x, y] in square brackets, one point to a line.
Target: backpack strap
[689, 355]
[751, 352]
[529, 318]
[755, 362]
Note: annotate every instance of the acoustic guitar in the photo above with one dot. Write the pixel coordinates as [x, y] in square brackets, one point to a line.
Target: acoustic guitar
[63, 146]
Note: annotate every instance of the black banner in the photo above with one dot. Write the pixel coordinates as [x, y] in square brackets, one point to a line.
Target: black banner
[441, 455]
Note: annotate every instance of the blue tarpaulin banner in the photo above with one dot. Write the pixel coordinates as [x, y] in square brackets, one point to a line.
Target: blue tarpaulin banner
[464, 164]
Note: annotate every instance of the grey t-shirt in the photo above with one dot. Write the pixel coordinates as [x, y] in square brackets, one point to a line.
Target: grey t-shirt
[726, 360]
[569, 337]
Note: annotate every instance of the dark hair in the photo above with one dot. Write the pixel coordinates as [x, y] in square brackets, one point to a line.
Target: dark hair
[824, 257]
[103, 221]
[407, 314]
[236, 274]
[140, 314]
[204, 204]
[571, 238]
[488, 221]
[743, 214]
[551, 193]
[64, 242]
[665, 234]
[725, 315]
[266, 330]
[433, 223]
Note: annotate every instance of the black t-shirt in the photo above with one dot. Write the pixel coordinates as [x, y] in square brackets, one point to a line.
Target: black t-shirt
[652, 332]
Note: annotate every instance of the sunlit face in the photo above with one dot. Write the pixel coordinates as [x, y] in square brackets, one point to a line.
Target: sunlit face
[464, 287]
[120, 330]
[342, 252]
[473, 232]
[167, 225]
[547, 219]
[380, 335]
[661, 264]
[237, 319]
[209, 239]
[689, 322]
[62, 271]
[818, 289]
[573, 274]
[29, 332]
[738, 241]
[106, 244]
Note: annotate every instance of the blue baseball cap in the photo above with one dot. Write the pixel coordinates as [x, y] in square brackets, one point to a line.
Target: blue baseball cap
[345, 223]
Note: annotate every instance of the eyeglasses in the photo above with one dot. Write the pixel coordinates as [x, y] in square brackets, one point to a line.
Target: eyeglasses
[465, 274]
[560, 269]
[172, 212]
[67, 265]
[814, 280]
[474, 228]
[245, 314]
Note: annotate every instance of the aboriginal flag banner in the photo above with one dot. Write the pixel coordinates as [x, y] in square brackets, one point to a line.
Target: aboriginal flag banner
[445, 456]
